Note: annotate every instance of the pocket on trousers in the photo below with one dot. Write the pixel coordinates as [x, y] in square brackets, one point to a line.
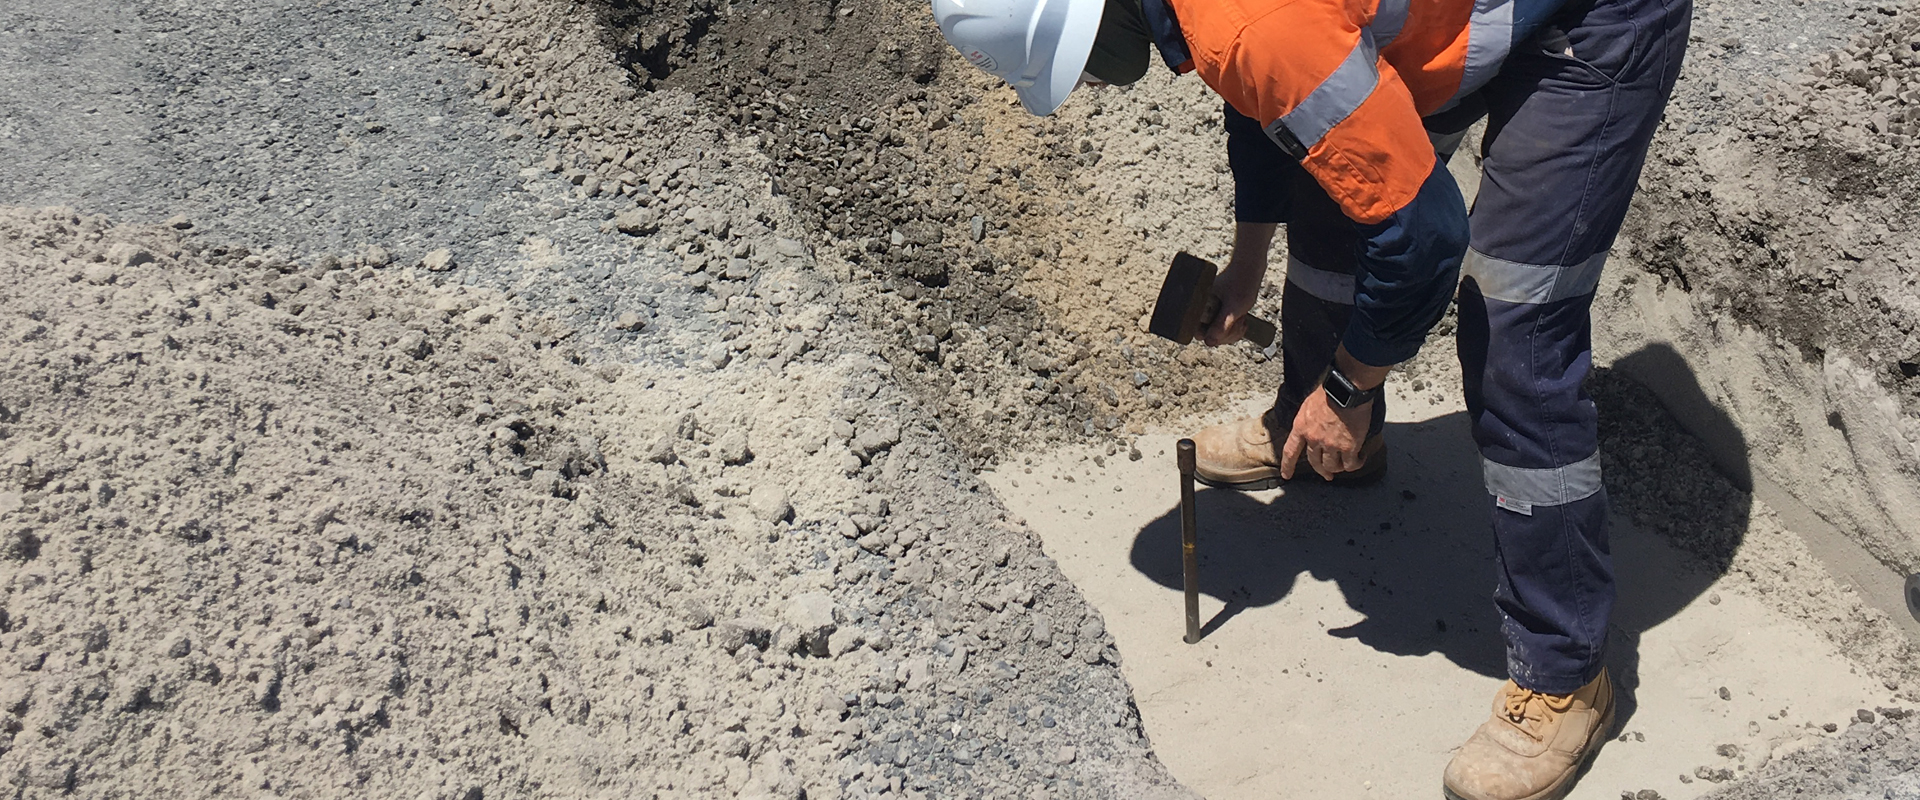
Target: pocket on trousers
[1596, 55]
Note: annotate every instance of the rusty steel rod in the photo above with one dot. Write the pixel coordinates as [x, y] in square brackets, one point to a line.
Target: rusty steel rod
[1190, 562]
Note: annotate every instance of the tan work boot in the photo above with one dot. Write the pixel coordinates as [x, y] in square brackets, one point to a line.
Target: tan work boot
[1535, 744]
[1245, 456]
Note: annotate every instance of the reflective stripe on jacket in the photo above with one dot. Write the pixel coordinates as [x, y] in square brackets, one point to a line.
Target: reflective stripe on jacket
[1341, 85]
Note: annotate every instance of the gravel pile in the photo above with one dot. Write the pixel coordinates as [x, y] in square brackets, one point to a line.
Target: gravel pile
[1008, 273]
[1877, 756]
[325, 529]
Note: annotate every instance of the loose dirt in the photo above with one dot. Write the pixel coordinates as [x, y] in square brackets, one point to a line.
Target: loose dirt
[304, 530]
[510, 397]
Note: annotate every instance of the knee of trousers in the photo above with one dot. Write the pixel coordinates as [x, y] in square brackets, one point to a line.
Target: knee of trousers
[1525, 357]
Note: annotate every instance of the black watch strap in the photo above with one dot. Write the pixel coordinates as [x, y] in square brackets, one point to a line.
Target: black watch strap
[1343, 393]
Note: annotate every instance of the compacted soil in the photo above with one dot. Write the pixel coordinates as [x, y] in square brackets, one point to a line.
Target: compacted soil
[508, 398]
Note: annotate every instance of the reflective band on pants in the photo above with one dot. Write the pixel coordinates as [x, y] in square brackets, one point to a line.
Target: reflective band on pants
[1333, 287]
[1532, 283]
[1557, 486]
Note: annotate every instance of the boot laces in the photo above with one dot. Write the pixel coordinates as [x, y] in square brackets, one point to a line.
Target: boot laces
[1526, 705]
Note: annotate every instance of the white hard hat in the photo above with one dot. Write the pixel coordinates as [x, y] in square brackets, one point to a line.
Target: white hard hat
[1037, 46]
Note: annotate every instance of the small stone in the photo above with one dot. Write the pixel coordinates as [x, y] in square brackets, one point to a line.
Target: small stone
[731, 636]
[1134, 454]
[695, 614]
[439, 260]
[630, 321]
[1042, 629]
[549, 482]
[719, 355]
[979, 225]
[1830, 727]
[1864, 715]
[769, 503]
[414, 345]
[1065, 755]
[811, 613]
[637, 221]
[732, 448]
[376, 257]
[1714, 598]
[1728, 751]
[1647, 794]
[846, 527]
[100, 274]
[877, 437]
[179, 222]
[1724, 694]
[845, 640]
[128, 255]
[662, 451]
[790, 248]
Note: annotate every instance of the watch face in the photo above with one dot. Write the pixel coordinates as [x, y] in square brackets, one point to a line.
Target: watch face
[1339, 389]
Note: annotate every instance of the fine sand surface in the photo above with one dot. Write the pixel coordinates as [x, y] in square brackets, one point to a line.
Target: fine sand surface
[1350, 641]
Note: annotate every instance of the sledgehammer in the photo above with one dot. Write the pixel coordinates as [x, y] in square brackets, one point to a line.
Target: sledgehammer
[1187, 306]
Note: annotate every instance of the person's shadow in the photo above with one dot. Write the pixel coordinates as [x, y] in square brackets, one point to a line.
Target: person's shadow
[1414, 553]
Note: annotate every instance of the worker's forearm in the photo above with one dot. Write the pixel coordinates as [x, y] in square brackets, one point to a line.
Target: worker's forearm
[1409, 265]
[1252, 241]
[1364, 376]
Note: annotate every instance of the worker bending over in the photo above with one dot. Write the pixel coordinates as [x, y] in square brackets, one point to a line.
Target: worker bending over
[1340, 117]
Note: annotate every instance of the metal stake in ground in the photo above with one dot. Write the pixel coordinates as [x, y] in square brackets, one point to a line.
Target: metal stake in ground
[1189, 562]
[1913, 595]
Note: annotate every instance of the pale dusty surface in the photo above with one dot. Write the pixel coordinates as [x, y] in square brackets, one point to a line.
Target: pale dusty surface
[1352, 641]
[780, 273]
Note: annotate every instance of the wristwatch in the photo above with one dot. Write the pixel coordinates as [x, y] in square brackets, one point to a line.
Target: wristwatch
[1341, 391]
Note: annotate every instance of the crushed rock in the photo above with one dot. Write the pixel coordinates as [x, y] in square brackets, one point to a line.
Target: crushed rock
[245, 518]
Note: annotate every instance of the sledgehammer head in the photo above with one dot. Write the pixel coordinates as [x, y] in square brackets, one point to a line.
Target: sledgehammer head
[1186, 305]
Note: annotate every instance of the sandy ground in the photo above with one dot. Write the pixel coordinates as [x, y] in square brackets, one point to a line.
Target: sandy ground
[1349, 638]
[539, 388]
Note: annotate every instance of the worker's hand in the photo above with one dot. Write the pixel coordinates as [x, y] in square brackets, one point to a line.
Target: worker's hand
[1329, 436]
[1237, 287]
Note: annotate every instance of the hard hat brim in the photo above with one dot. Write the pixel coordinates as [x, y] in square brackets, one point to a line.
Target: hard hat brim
[1050, 89]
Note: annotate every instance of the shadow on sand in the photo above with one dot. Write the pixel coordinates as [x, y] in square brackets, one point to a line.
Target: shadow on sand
[1414, 554]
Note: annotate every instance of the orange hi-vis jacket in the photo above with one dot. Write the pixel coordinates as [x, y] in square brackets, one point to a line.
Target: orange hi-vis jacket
[1342, 85]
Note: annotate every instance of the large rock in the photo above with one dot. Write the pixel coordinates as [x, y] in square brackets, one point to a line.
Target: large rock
[811, 614]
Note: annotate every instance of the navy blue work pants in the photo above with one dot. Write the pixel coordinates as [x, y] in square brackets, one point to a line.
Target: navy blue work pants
[1569, 118]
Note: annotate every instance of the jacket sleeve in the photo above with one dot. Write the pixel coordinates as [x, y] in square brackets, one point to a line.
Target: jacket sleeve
[1263, 174]
[1409, 266]
[1308, 72]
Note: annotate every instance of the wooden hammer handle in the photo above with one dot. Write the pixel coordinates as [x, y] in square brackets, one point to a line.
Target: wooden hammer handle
[1259, 331]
